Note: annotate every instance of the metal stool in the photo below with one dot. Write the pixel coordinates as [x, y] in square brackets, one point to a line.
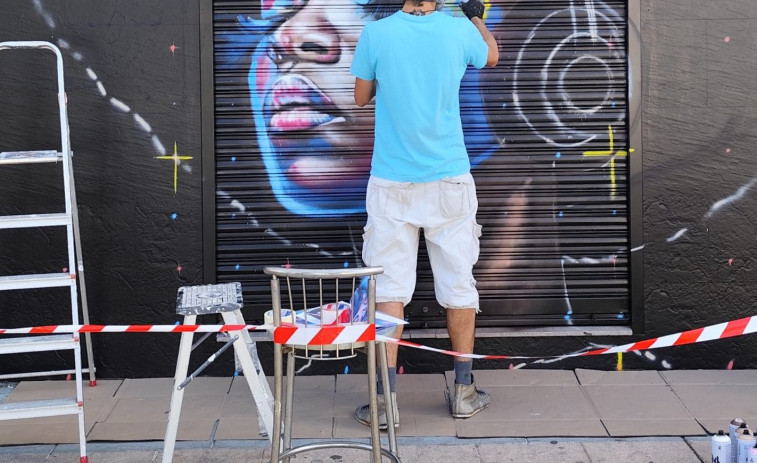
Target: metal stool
[300, 284]
[224, 299]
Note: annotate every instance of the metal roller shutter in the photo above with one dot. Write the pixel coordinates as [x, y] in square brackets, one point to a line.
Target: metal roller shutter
[547, 132]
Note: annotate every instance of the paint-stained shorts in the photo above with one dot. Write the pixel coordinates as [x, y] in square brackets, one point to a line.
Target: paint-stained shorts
[446, 211]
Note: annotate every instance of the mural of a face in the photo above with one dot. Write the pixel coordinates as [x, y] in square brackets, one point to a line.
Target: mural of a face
[311, 134]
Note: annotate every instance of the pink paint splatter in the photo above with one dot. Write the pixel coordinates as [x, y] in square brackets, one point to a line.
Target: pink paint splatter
[730, 365]
[728, 150]
[730, 261]
[178, 268]
[511, 367]
[400, 370]
[727, 39]
[173, 48]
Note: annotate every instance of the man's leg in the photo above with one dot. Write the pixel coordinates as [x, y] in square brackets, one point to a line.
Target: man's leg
[397, 310]
[461, 326]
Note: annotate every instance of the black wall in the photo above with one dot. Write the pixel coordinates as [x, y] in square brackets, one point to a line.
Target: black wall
[699, 125]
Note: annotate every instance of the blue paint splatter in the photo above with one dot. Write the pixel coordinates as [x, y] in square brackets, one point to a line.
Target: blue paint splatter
[504, 105]
[346, 264]
[558, 154]
[174, 215]
[236, 267]
[560, 213]
[347, 370]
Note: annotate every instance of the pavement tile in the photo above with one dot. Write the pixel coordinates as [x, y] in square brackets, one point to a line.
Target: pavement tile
[540, 403]
[239, 385]
[146, 387]
[719, 403]
[133, 431]
[674, 450]
[533, 452]
[636, 403]
[638, 428]
[238, 429]
[712, 377]
[499, 378]
[624, 378]
[31, 431]
[702, 447]
[470, 428]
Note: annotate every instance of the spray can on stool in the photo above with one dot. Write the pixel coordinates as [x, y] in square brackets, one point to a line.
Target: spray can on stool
[745, 442]
[721, 448]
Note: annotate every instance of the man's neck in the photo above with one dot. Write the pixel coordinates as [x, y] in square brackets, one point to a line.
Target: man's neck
[422, 10]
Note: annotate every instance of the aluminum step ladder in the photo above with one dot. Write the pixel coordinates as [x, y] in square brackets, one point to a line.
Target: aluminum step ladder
[224, 299]
[72, 277]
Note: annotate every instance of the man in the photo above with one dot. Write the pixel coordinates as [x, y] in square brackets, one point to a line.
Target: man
[413, 62]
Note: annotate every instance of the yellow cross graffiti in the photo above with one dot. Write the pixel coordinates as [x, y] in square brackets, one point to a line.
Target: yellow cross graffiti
[176, 161]
[614, 154]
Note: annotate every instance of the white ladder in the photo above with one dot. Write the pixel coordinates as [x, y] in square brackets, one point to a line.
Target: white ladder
[68, 278]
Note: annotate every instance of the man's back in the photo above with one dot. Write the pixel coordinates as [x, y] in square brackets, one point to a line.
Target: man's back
[418, 62]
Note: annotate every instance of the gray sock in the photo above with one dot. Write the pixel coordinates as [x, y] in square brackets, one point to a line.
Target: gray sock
[463, 373]
[392, 380]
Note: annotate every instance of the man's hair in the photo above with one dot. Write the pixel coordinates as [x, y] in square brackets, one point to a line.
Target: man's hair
[417, 2]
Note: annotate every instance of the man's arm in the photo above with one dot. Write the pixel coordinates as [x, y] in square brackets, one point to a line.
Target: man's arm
[365, 90]
[474, 10]
[493, 56]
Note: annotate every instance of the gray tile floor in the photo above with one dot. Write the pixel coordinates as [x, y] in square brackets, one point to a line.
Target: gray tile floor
[526, 404]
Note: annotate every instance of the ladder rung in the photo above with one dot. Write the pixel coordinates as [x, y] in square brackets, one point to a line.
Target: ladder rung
[39, 408]
[34, 220]
[37, 343]
[27, 157]
[45, 280]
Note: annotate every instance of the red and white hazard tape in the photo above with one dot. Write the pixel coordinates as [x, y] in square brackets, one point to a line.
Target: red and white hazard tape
[317, 335]
[343, 334]
[60, 329]
[297, 335]
[725, 330]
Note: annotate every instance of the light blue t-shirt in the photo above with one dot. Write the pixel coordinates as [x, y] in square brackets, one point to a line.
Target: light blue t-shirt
[418, 63]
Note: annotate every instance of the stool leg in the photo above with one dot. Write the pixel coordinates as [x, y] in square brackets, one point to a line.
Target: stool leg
[289, 402]
[390, 418]
[373, 401]
[177, 395]
[278, 370]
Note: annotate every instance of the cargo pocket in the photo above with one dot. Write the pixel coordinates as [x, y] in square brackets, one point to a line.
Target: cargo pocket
[454, 197]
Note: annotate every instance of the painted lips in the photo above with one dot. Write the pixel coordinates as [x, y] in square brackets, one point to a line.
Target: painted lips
[296, 103]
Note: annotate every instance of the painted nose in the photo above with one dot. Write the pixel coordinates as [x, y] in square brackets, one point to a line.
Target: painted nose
[309, 38]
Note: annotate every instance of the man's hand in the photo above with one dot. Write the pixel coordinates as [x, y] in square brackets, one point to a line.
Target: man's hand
[473, 9]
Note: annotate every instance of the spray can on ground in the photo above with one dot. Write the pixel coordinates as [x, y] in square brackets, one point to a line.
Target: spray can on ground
[745, 442]
[732, 432]
[752, 455]
[721, 447]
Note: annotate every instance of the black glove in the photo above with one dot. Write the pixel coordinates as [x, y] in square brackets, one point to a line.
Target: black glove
[473, 8]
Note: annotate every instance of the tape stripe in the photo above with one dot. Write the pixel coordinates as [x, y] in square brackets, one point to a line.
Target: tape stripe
[344, 334]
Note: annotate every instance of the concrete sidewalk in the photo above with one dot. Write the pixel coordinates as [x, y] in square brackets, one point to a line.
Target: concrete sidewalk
[411, 450]
[536, 415]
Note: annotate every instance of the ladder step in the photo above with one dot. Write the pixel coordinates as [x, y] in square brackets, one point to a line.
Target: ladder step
[37, 343]
[39, 408]
[35, 220]
[45, 280]
[27, 157]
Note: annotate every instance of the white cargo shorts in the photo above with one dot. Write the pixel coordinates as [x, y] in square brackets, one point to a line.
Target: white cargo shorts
[446, 211]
